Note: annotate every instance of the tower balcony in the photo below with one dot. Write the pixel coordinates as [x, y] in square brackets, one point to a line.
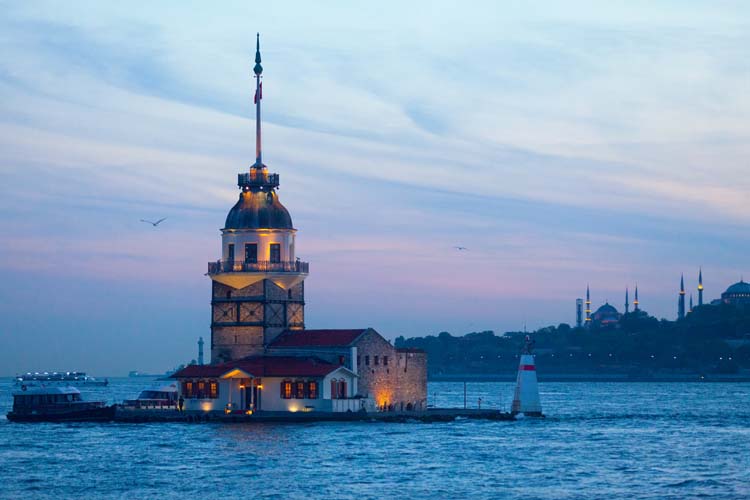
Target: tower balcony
[258, 179]
[262, 266]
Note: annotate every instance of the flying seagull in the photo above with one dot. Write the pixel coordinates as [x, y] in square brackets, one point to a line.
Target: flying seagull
[154, 223]
[460, 249]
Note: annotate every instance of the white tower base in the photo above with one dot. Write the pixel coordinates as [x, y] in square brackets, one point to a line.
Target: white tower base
[526, 397]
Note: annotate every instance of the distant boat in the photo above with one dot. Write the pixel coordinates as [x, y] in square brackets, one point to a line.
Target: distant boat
[56, 404]
[136, 373]
[75, 378]
[161, 394]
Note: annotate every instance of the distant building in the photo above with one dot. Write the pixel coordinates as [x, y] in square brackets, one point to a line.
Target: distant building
[579, 313]
[737, 294]
[606, 315]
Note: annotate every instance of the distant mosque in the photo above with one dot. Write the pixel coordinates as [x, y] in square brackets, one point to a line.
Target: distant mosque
[607, 315]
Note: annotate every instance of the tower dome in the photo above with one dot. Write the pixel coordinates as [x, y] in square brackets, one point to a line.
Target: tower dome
[258, 210]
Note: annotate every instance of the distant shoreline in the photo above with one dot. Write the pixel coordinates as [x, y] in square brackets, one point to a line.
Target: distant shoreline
[588, 377]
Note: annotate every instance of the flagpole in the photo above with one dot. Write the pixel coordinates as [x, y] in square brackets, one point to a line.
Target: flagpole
[258, 69]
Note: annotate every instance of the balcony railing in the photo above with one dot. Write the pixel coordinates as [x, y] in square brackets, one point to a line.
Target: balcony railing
[257, 179]
[261, 266]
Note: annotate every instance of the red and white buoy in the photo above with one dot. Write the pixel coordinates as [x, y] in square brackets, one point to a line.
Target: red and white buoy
[526, 397]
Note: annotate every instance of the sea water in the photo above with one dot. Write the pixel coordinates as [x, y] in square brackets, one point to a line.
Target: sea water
[599, 440]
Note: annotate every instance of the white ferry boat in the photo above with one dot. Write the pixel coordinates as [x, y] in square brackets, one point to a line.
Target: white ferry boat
[75, 378]
[56, 404]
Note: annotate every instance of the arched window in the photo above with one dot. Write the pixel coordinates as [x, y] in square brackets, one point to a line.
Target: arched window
[342, 389]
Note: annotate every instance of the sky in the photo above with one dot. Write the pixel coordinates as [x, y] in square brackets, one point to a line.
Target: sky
[563, 143]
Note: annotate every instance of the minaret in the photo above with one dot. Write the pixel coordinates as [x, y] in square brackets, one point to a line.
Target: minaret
[635, 300]
[579, 313]
[691, 304]
[258, 285]
[700, 287]
[200, 351]
[627, 304]
[681, 301]
[588, 306]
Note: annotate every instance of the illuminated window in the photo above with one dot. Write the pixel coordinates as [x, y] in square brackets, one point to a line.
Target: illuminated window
[201, 389]
[385, 360]
[187, 388]
[377, 361]
[275, 252]
[300, 392]
[312, 390]
[251, 253]
[286, 389]
[213, 389]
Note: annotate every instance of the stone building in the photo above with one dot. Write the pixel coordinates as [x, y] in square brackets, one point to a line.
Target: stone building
[258, 321]
[390, 377]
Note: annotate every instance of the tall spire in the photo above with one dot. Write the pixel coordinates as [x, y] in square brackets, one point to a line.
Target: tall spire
[681, 300]
[588, 305]
[635, 302]
[627, 304]
[258, 70]
[700, 286]
[691, 303]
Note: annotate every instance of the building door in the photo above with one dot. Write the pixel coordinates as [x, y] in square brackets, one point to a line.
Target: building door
[251, 253]
[230, 253]
[275, 252]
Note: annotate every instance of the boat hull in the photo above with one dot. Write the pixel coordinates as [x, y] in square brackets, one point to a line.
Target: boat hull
[102, 414]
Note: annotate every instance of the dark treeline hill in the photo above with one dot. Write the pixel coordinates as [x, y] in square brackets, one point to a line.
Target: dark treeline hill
[713, 339]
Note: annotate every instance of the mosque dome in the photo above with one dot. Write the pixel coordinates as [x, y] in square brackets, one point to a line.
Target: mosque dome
[607, 309]
[258, 210]
[739, 287]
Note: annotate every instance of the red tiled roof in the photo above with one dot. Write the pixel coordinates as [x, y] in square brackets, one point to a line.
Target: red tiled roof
[263, 366]
[317, 338]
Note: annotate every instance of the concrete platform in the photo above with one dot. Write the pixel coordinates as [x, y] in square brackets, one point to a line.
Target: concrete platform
[131, 415]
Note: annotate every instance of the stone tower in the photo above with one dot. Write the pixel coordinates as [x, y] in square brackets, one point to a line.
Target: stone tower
[258, 285]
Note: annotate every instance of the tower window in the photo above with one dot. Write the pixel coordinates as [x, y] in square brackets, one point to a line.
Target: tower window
[251, 253]
[275, 252]
[230, 252]
[377, 360]
[367, 360]
[385, 360]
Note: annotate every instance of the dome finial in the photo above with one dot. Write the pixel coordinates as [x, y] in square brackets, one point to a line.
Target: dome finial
[258, 69]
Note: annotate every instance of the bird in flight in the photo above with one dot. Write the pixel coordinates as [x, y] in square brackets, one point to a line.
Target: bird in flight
[460, 249]
[154, 223]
